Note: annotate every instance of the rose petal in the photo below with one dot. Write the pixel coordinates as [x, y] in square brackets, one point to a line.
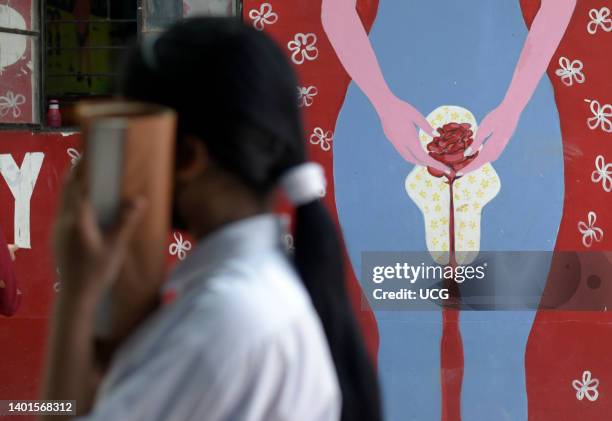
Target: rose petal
[435, 172]
[450, 145]
[443, 144]
[454, 137]
[438, 157]
[459, 146]
[433, 147]
[465, 162]
[453, 158]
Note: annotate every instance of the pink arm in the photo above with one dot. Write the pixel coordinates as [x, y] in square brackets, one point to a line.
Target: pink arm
[498, 126]
[544, 36]
[352, 45]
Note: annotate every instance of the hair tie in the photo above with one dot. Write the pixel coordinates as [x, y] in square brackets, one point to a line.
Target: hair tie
[304, 183]
[148, 50]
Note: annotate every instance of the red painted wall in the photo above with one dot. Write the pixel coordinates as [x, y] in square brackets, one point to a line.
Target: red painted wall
[22, 336]
[562, 345]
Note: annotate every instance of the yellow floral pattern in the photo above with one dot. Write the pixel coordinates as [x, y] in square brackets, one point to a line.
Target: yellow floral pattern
[471, 193]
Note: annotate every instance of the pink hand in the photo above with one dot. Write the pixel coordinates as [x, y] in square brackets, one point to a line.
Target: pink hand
[496, 128]
[398, 119]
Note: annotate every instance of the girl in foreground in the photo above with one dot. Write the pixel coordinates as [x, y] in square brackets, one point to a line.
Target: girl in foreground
[242, 340]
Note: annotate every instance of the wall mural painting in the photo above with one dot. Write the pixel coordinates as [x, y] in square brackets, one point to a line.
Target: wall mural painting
[459, 129]
[513, 99]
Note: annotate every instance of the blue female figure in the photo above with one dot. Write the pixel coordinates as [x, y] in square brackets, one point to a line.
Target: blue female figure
[478, 55]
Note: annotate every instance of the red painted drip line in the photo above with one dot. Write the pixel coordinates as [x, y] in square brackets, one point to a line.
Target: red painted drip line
[451, 346]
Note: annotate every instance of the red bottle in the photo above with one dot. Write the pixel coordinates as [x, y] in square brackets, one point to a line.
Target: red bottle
[54, 117]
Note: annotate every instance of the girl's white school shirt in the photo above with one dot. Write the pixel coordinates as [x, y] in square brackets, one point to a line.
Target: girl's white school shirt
[241, 341]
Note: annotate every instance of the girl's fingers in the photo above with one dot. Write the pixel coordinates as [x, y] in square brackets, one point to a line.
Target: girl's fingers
[129, 217]
[73, 192]
[118, 239]
[88, 223]
[13, 248]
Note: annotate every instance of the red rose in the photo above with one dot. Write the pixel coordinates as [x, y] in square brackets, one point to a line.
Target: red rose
[449, 147]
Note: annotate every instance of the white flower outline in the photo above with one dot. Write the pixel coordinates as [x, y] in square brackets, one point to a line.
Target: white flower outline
[602, 173]
[570, 71]
[599, 18]
[600, 116]
[306, 94]
[11, 102]
[303, 47]
[180, 247]
[321, 138]
[288, 239]
[590, 232]
[75, 156]
[57, 285]
[263, 16]
[587, 388]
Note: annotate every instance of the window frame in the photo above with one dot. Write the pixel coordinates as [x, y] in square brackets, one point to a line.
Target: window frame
[38, 71]
[41, 73]
[44, 98]
[41, 70]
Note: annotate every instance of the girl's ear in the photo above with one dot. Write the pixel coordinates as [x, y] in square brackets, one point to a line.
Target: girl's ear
[192, 158]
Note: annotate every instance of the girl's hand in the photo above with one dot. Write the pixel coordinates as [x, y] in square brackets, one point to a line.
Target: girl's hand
[89, 259]
[494, 131]
[12, 248]
[399, 120]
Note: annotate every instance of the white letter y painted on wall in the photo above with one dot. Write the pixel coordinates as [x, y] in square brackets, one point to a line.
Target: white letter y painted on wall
[21, 182]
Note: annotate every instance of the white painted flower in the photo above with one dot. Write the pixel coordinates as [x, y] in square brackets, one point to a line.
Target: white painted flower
[57, 285]
[180, 247]
[570, 71]
[75, 156]
[287, 236]
[602, 173]
[321, 138]
[306, 94]
[303, 47]
[599, 18]
[587, 388]
[590, 232]
[601, 115]
[11, 102]
[263, 16]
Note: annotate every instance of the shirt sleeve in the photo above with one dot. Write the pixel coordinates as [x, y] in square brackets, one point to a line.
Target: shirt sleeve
[265, 381]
